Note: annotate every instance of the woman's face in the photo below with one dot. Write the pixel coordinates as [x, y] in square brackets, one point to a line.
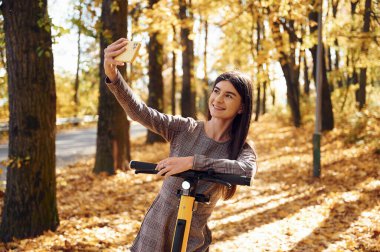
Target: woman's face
[225, 101]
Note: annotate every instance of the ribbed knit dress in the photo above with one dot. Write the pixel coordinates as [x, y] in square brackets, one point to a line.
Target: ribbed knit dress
[187, 137]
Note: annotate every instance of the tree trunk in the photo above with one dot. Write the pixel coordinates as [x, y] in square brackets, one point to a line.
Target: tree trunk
[188, 85]
[336, 44]
[174, 76]
[156, 84]
[76, 83]
[329, 60]
[174, 83]
[336, 63]
[205, 80]
[257, 113]
[327, 112]
[363, 70]
[264, 101]
[329, 67]
[353, 6]
[354, 79]
[112, 144]
[259, 68]
[306, 87]
[290, 70]
[30, 205]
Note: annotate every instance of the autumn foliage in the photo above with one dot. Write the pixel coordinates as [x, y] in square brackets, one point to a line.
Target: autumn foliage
[285, 210]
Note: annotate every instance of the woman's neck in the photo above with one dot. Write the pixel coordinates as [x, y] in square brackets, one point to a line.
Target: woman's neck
[219, 130]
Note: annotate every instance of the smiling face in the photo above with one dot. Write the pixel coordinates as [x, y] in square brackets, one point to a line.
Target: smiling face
[225, 102]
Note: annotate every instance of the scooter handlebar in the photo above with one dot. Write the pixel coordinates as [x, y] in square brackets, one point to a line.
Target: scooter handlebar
[209, 175]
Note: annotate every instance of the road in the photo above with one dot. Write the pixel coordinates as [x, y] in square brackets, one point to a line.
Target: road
[72, 145]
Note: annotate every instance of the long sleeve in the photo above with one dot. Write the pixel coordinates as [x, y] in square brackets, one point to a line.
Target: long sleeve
[245, 164]
[165, 125]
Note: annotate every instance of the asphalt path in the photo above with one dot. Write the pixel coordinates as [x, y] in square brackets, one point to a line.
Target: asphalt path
[72, 145]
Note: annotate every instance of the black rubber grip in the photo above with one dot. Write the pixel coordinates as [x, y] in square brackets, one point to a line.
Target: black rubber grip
[233, 179]
[142, 166]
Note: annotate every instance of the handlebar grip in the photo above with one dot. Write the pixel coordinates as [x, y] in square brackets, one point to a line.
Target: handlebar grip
[234, 179]
[150, 168]
[142, 166]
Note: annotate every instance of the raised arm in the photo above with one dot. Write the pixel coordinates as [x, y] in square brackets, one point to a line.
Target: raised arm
[165, 125]
[137, 110]
[244, 165]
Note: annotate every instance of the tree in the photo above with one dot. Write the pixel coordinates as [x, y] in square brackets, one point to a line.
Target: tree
[30, 205]
[306, 87]
[335, 4]
[112, 144]
[327, 119]
[205, 88]
[156, 84]
[363, 70]
[188, 85]
[288, 64]
[259, 68]
[79, 7]
[174, 74]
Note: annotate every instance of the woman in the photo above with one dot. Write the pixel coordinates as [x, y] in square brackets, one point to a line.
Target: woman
[218, 143]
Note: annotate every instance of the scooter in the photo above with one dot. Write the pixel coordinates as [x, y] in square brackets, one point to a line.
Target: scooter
[188, 196]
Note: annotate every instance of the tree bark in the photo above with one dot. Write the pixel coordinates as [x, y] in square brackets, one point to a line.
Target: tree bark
[335, 4]
[327, 110]
[306, 87]
[289, 68]
[174, 75]
[156, 83]
[363, 70]
[336, 63]
[354, 4]
[257, 112]
[76, 83]
[353, 79]
[264, 100]
[188, 84]
[30, 205]
[205, 79]
[259, 67]
[112, 144]
[329, 60]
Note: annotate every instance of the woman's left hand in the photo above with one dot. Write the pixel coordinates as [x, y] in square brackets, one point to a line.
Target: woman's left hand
[174, 165]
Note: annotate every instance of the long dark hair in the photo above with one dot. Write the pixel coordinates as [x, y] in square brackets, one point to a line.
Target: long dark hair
[240, 124]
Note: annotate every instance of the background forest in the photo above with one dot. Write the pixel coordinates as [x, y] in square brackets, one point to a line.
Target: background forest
[51, 70]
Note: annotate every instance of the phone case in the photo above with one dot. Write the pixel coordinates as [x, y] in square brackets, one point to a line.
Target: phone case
[130, 53]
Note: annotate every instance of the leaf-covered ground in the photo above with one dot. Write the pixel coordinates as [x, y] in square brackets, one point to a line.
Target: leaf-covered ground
[285, 210]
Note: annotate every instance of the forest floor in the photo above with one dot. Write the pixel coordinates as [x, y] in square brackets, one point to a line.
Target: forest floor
[286, 209]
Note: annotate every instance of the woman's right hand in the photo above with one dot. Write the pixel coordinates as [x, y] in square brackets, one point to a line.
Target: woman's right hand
[110, 64]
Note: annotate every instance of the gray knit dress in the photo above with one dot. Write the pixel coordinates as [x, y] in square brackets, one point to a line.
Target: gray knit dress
[187, 137]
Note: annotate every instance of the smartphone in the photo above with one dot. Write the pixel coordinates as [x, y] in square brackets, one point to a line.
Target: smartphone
[130, 53]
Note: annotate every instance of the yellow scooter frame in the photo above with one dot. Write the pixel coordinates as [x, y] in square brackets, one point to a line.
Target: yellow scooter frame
[185, 214]
[188, 196]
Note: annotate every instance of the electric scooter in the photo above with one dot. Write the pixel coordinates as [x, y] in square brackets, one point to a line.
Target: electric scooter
[188, 196]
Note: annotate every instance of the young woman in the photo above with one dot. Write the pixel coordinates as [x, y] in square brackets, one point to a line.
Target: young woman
[218, 143]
